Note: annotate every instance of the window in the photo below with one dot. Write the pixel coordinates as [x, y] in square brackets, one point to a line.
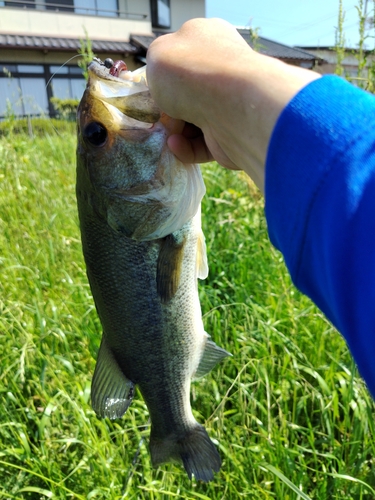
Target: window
[67, 82]
[60, 70]
[109, 8]
[68, 88]
[10, 97]
[306, 64]
[23, 96]
[30, 68]
[24, 90]
[106, 8]
[30, 4]
[160, 14]
[78, 88]
[34, 96]
[60, 5]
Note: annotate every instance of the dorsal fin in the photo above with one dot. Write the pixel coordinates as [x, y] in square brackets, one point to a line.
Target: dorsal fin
[111, 391]
[169, 266]
[202, 264]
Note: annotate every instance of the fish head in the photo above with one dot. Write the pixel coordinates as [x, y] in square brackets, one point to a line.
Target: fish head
[126, 173]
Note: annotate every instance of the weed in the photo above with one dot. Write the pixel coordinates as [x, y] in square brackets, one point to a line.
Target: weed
[291, 416]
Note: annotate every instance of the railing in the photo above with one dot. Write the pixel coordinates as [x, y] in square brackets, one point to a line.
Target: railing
[74, 9]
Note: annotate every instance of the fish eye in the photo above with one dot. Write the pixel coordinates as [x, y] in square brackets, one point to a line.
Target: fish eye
[96, 134]
[108, 63]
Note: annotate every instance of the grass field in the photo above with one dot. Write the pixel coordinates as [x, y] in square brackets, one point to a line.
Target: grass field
[291, 417]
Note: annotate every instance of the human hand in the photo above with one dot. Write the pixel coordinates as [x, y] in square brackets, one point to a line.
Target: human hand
[208, 76]
[182, 73]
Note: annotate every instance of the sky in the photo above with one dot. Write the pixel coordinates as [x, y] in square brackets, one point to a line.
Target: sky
[294, 22]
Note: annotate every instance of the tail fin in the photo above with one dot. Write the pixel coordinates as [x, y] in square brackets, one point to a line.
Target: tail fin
[195, 449]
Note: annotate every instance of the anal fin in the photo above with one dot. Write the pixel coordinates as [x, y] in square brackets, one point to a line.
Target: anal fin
[111, 391]
[212, 355]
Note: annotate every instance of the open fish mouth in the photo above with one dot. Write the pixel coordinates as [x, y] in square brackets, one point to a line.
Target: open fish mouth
[126, 91]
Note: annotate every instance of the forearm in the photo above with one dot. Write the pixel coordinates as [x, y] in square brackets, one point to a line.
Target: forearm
[259, 96]
[320, 203]
[319, 144]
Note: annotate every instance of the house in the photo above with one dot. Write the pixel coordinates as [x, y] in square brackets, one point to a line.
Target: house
[349, 63]
[39, 38]
[287, 54]
[290, 55]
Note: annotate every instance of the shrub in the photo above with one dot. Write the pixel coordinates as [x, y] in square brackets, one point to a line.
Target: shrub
[66, 108]
[36, 126]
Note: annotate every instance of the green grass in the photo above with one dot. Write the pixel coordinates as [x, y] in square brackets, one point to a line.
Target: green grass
[292, 418]
[35, 126]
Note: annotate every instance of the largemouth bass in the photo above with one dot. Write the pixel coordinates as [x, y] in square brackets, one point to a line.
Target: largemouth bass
[139, 212]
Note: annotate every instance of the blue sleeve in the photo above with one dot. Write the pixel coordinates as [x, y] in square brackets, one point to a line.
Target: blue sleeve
[320, 206]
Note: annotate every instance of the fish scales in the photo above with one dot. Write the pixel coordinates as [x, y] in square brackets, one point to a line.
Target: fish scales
[123, 277]
[139, 211]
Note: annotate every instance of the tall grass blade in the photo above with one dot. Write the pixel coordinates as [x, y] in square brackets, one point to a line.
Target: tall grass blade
[285, 480]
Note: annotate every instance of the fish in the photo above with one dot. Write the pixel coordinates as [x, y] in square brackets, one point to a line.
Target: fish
[139, 211]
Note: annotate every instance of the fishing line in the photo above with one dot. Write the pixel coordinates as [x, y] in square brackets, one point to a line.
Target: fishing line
[55, 73]
[66, 62]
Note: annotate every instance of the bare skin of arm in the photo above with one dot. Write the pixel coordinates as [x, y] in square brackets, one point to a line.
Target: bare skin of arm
[229, 95]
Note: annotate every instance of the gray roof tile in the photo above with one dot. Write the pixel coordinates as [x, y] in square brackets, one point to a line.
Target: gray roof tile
[139, 44]
[63, 44]
[262, 45]
[275, 49]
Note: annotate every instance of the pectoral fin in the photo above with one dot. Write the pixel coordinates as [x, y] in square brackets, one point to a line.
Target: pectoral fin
[111, 391]
[169, 266]
[212, 355]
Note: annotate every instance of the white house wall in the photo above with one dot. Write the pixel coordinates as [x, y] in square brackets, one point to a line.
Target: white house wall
[62, 24]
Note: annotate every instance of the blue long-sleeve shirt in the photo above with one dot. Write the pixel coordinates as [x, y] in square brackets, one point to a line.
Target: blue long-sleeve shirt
[320, 206]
